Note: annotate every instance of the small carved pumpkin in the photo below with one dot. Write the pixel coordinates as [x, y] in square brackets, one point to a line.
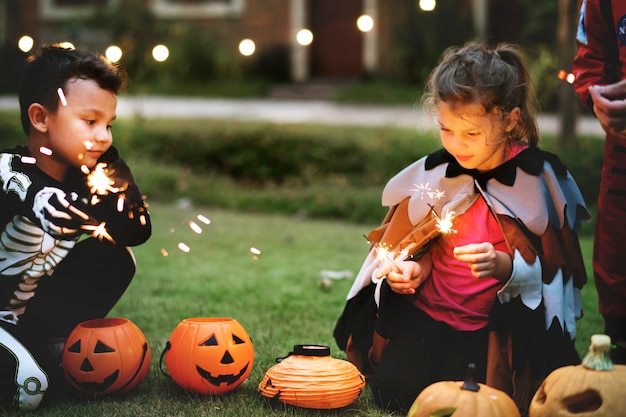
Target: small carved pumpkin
[310, 378]
[463, 399]
[106, 356]
[592, 389]
[209, 355]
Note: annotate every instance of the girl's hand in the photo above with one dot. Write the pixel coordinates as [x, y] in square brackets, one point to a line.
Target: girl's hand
[405, 276]
[485, 261]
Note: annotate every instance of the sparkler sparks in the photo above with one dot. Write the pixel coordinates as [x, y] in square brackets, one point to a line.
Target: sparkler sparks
[45, 151]
[424, 189]
[384, 254]
[444, 224]
[203, 219]
[194, 226]
[99, 231]
[62, 96]
[98, 180]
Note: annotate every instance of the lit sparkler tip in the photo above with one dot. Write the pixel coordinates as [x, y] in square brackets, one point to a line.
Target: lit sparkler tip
[444, 224]
[62, 96]
[99, 182]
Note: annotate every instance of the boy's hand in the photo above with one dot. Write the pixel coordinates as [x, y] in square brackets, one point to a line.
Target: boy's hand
[57, 216]
[485, 261]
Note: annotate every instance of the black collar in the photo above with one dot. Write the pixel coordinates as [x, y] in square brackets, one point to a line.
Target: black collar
[530, 160]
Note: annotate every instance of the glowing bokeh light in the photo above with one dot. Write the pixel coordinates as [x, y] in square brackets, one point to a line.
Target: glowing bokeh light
[570, 78]
[427, 5]
[304, 37]
[247, 47]
[365, 23]
[113, 53]
[25, 43]
[160, 53]
[67, 45]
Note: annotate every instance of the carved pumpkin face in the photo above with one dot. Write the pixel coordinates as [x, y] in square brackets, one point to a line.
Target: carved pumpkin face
[594, 388]
[462, 399]
[209, 355]
[106, 356]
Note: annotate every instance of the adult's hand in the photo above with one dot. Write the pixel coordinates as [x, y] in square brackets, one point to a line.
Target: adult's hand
[609, 106]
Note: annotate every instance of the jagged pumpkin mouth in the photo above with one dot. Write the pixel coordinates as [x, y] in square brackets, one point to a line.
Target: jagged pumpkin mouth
[228, 379]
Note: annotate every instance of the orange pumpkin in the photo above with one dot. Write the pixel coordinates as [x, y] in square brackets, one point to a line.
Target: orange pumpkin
[209, 355]
[594, 388]
[463, 399]
[106, 356]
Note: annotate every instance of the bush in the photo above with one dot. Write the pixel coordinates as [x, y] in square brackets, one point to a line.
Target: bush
[304, 170]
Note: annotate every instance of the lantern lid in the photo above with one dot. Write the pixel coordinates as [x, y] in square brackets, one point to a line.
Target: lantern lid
[310, 350]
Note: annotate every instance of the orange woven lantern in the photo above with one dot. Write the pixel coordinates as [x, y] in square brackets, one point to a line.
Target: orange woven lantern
[310, 378]
[209, 355]
[106, 356]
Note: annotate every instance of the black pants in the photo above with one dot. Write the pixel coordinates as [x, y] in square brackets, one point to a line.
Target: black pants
[85, 285]
[422, 351]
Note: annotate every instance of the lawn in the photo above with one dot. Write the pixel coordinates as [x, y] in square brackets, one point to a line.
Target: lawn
[276, 295]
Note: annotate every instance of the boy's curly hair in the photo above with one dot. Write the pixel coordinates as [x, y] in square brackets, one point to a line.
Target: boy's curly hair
[53, 66]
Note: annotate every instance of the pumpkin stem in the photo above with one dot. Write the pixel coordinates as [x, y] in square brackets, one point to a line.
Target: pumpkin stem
[598, 357]
[469, 384]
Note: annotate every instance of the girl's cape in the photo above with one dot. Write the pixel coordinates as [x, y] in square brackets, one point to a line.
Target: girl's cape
[539, 209]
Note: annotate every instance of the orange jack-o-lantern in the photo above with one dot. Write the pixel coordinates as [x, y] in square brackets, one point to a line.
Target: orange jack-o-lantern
[595, 388]
[106, 356]
[209, 355]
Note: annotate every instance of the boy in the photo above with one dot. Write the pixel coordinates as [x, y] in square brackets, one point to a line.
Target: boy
[69, 209]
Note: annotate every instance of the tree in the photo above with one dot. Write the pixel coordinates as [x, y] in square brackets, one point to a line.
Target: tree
[568, 101]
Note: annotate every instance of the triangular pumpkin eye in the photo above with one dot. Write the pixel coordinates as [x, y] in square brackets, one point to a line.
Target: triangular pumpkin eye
[75, 348]
[238, 340]
[102, 348]
[211, 341]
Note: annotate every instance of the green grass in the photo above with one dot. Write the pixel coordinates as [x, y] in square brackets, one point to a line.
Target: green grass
[275, 296]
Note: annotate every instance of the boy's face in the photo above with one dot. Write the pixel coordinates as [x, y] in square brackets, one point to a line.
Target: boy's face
[80, 130]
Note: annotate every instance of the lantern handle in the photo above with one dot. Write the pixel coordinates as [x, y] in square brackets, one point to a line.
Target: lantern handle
[168, 346]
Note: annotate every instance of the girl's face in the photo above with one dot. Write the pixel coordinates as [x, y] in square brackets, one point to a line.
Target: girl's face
[79, 132]
[477, 139]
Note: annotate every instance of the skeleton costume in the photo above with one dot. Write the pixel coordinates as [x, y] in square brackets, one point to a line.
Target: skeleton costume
[530, 321]
[63, 259]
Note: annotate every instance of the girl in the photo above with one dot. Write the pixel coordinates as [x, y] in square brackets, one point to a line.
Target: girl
[501, 288]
